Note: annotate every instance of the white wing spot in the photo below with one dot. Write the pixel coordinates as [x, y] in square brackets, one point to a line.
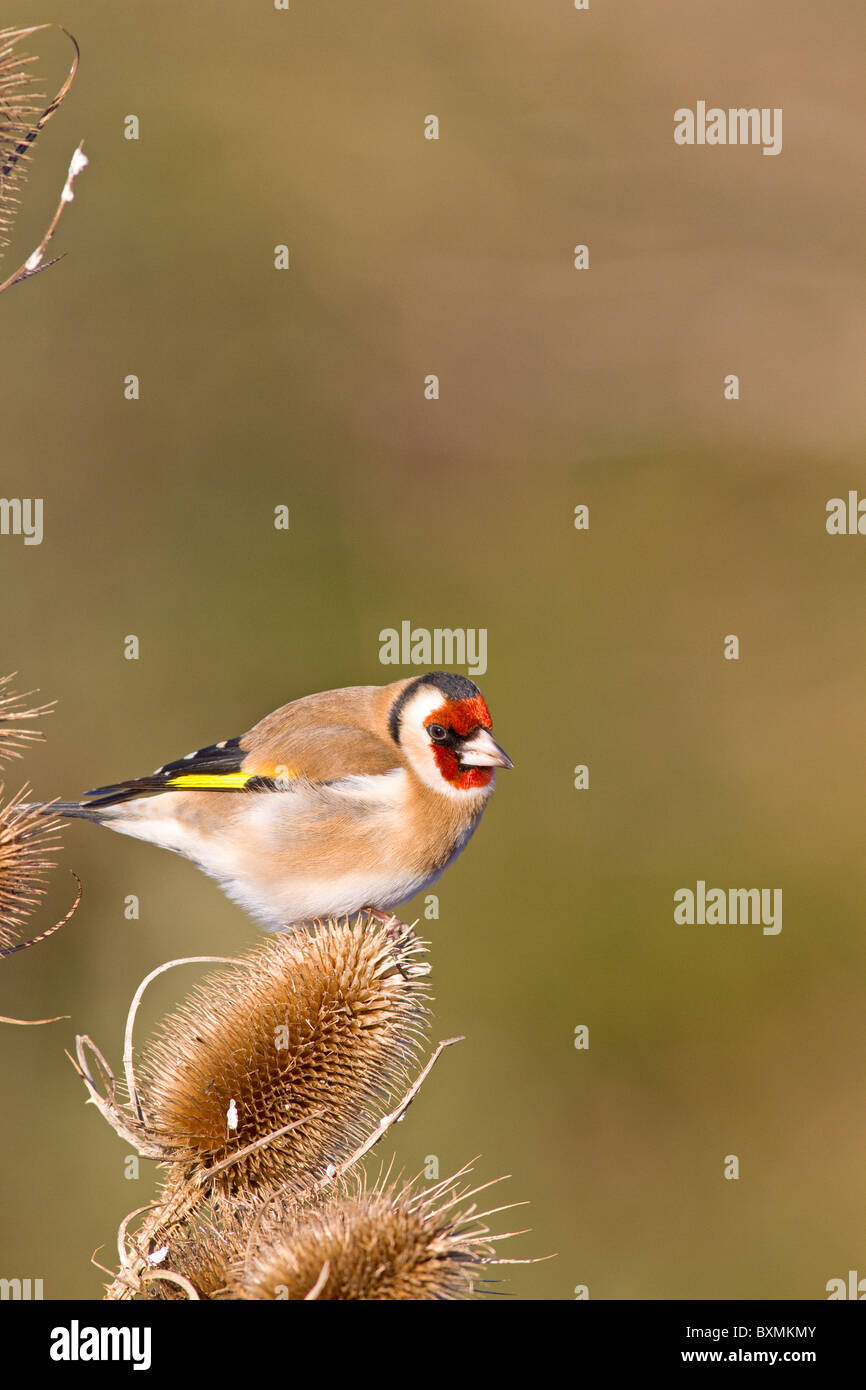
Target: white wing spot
[223, 744]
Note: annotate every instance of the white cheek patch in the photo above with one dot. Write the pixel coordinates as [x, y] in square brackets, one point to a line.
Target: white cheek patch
[421, 706]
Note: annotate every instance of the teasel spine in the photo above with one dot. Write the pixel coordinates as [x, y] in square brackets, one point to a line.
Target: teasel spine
[15, 737]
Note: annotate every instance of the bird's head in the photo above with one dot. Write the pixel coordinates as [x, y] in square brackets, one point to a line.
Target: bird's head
[442, 725]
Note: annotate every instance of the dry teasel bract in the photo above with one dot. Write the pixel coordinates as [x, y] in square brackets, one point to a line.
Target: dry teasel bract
[15, 714]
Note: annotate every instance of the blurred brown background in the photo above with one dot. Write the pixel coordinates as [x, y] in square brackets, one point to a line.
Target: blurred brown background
[454, 257]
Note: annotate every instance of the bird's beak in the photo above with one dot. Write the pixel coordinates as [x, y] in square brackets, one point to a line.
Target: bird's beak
[482, 750]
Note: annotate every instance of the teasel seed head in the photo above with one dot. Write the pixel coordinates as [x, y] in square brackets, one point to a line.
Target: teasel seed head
[317, 1026]
[28, 839]
[24, 112]
[20, 107]
[390, 1242]
[394, 1241]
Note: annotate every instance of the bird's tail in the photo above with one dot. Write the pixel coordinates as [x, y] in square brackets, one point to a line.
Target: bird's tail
[71, 810]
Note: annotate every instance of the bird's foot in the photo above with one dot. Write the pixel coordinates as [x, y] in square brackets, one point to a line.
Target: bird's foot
[386, 918]
[396, 931]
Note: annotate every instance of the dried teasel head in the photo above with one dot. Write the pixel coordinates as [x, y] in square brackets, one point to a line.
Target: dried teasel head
[14, 712]
[390, 1242]
[21, 106]
[318, 1027]
[394, 1241]
[28, 839]
[24, 112]
[29, 835]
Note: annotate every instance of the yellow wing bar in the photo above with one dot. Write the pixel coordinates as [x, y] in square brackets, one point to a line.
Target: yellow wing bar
[213, 781]
[232, 781]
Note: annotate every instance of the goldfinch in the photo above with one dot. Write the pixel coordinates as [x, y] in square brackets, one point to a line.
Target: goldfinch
[345, 800]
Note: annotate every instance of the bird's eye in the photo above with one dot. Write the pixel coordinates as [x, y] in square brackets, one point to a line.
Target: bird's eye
[437, 733]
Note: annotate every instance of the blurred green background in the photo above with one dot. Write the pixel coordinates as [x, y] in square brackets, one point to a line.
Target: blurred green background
[602, 387]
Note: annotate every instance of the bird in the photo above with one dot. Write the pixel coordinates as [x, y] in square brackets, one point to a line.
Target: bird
[341, 802]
